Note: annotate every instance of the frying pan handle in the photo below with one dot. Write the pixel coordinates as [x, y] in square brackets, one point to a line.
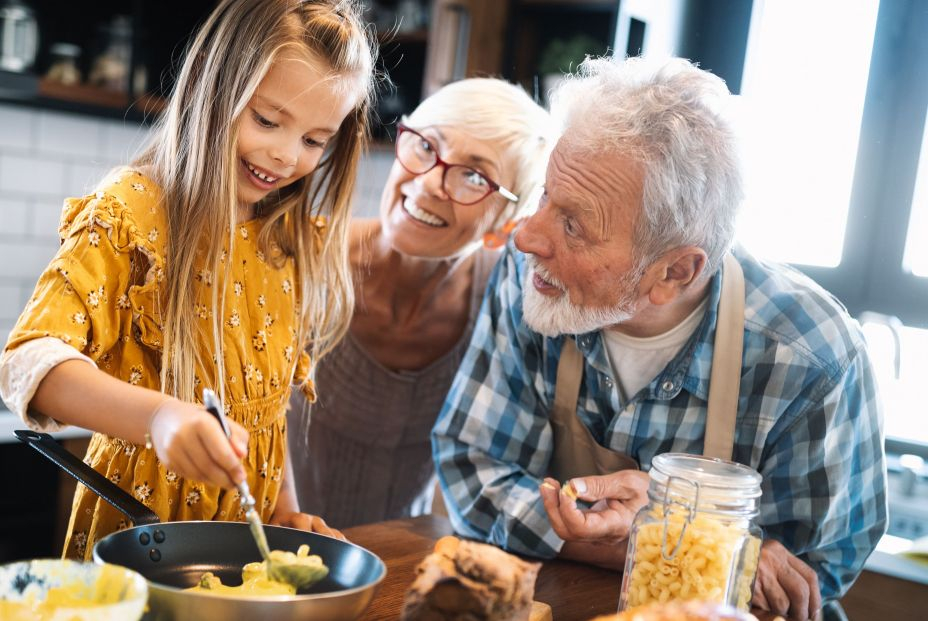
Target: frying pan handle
[103, 487]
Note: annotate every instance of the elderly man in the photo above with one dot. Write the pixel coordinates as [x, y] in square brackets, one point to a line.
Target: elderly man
[608, 337]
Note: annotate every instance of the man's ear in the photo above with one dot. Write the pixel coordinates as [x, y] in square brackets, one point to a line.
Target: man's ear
[674, 272]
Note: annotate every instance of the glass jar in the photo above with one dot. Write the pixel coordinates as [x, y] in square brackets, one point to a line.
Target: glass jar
[696, 538]
[63, 65]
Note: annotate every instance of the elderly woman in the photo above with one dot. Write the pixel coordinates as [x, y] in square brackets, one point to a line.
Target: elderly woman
[468, 162]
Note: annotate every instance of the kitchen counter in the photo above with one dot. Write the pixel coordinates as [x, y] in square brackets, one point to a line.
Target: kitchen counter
[888, 560]
[574, 591]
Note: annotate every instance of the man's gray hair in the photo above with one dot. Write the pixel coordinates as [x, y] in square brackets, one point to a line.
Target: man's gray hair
[668, 115]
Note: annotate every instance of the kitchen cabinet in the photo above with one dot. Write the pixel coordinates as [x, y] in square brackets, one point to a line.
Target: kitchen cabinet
[126, 55]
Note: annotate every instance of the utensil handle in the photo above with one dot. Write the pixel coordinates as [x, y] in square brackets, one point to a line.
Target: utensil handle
[214, 406]
[99, 484]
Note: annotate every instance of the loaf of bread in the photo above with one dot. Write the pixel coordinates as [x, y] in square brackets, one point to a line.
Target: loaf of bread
[468, 581]
[680, 611]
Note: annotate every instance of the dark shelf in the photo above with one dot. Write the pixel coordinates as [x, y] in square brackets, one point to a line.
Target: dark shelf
[35, 92]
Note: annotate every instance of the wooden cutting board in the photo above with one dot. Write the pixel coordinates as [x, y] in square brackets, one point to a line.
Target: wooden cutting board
[540, 612]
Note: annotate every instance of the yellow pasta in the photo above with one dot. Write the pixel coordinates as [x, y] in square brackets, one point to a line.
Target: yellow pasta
[715, 561]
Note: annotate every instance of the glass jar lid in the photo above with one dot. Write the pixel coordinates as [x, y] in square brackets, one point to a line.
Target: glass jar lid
[704, 483]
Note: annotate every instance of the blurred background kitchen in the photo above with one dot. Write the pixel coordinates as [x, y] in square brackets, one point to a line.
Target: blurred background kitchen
[832, 106]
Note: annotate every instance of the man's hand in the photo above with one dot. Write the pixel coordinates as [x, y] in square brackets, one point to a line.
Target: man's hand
[785, 585]
[616, 499]
[305, 521]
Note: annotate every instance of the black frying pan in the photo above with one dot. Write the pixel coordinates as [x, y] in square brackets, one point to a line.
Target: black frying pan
[173, 555]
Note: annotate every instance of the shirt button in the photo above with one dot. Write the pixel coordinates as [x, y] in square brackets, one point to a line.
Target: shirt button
[667, 386]
[608, 382]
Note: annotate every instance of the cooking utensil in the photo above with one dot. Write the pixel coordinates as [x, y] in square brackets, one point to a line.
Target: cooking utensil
[298, 574]
[173, 555]
[46, 587]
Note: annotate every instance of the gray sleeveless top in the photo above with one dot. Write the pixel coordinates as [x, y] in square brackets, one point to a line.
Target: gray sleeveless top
[367, 454]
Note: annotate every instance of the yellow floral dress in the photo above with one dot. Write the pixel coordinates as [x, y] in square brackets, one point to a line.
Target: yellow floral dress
[101, 295]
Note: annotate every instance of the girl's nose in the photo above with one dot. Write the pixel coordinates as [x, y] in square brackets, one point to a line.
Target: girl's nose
[532, 237]
[287, 154]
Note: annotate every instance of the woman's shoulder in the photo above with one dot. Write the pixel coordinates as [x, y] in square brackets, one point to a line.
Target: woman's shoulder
[127, 202]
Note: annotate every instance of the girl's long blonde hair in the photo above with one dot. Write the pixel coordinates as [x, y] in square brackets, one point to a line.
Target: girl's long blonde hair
[193, 157]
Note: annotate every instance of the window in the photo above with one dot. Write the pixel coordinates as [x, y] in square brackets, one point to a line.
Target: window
[834, 103]
[802, 102]
[916, 247]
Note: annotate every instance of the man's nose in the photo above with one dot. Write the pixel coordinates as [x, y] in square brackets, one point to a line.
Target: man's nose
[531, 238]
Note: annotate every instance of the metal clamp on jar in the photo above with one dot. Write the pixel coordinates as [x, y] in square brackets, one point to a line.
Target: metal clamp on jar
[696, 538]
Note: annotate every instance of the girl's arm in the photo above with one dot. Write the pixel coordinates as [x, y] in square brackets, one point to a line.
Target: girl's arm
[187, 439]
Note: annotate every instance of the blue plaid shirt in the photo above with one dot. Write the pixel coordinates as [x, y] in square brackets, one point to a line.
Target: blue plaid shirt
[809, 419]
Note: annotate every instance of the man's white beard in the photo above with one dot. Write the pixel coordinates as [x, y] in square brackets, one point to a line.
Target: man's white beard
[554, 316]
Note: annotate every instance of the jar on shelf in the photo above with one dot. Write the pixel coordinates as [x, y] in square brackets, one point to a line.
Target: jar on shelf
[696, 538]
[63, 65]
[111, 68]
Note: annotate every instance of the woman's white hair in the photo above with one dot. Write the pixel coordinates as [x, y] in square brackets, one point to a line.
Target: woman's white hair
[670, 116]
[499, 112]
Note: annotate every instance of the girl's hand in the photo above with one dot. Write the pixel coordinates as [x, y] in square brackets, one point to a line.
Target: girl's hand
[305, 521]
[190, 441]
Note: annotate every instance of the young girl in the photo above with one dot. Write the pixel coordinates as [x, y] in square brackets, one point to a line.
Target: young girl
[206, 264]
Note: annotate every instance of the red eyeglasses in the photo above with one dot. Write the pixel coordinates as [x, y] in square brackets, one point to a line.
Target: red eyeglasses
[462, 184]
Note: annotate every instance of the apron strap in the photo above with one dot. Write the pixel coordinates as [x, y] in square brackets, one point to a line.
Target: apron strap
[725, 378]
[576, 451]
[569, 375]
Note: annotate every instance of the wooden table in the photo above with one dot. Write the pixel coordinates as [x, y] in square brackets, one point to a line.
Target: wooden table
[575, 592]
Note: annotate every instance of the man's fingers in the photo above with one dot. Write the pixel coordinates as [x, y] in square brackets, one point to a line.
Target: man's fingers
[591, 525]
[777, 600]
[759, 600]
[811, 578]
[797, 590]
[550, 496]
[622, 485]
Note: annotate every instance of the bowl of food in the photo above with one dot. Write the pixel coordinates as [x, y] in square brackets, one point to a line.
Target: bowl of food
[65, 590]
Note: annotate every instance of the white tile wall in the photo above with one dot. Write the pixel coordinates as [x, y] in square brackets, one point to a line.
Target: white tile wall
[46, 156]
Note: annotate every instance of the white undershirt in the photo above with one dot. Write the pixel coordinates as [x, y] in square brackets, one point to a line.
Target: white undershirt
[637, 361]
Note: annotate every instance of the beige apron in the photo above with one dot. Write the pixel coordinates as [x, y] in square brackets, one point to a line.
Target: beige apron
[576, 452]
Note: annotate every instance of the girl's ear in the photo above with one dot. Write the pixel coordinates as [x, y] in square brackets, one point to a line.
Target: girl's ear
[497, 239]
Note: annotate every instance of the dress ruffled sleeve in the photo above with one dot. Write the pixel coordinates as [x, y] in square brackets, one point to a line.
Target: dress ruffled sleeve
[101, 286]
